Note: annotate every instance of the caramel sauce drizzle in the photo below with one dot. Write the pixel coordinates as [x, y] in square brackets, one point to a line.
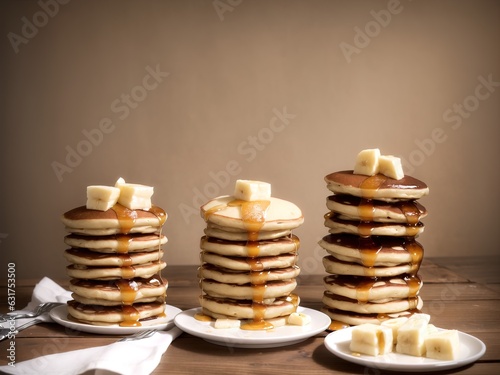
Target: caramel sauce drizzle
[253, 215]
[369, 249]
[127, 285]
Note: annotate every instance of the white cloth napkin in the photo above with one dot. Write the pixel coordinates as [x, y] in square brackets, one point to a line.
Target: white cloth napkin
[139, 357]
[46, 290]
[129, 357]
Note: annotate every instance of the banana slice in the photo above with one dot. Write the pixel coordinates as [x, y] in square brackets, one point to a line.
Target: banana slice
[391, 166]
[134, 196]
[443, 345]
[249, 190]
[371, 339]
[101, 197]
[298, 319]
[367, 162]
[394, 324]
[412, 334]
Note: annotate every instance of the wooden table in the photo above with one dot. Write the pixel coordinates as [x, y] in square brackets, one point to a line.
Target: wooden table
[460, 293]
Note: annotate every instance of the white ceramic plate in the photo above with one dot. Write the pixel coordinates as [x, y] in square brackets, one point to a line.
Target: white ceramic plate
[60, 315]
[471, 349]
[239, 338]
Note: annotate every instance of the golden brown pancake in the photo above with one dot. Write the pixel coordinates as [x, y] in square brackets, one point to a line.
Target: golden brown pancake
[355, 208]
[339, 224]
[377, 187]
[374, 250]
[217, 307]
[110, 273]
[364, 289]
[117, 292]
[119, 243]
[116, 220]
[92, 258]
[124, 315]
[281, 245]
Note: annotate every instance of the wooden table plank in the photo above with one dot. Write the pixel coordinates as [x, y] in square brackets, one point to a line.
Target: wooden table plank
[458, 293]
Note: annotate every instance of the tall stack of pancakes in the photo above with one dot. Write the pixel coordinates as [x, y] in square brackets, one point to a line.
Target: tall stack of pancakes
[373, 256]
[249, 261]
[116, 263]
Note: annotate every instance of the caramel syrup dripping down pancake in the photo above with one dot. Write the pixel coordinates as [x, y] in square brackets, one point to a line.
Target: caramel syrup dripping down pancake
[247, 272]
[115, 264]
[373, 258]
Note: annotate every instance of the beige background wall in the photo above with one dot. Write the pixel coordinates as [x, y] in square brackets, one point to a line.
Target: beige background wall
[283, 91]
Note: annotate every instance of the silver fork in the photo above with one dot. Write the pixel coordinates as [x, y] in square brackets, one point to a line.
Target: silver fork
[139, 335]
[39, 310]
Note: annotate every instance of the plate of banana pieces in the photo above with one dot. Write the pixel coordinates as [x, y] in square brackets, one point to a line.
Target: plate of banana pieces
[418, 347]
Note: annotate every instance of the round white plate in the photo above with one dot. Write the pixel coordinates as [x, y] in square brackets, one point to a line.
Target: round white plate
[471, 349]
[60, 315]
[239, 338]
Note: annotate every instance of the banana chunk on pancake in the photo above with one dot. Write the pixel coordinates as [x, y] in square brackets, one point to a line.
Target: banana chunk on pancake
[116, 220]
[119, 243]
[378, 187]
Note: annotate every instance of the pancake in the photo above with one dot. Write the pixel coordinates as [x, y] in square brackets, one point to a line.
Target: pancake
[118, 291]
[377, 187]
[363, 289]
[124, 315]
[335, 266]
[354, 319]
[116, 220]
[229, 276]
[249, 264]
[227, 212]
[281, 245]
[109, 273]
[231, 234]
[338, 302]
[92, 258]
[355, 208]
[240, 309]
[374, 250]
[266, 291]
[339, 224]
[121, 243]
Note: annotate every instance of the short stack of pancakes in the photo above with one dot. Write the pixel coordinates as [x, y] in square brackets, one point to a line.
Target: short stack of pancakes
[373, 256]
[249, 261]
[116, 262]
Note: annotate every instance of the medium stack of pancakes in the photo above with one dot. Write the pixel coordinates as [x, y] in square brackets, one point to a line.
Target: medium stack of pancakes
[373, 256]
[116, 263]
[249, 261]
